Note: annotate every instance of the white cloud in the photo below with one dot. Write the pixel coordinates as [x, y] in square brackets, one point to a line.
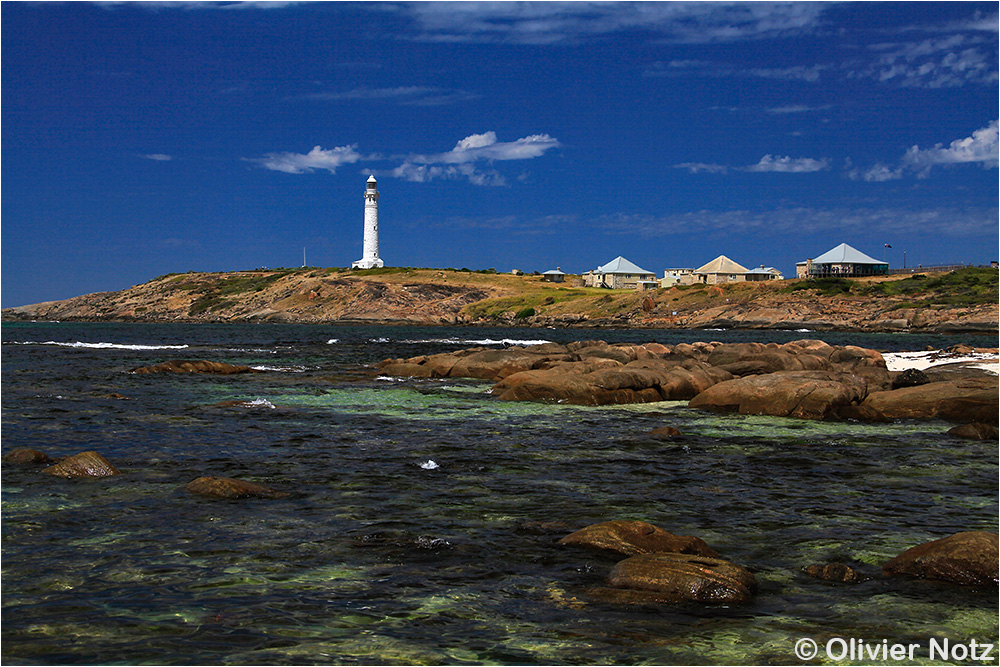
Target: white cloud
[789, 165]
[939, 62]
[485, 146]
[317, 158]
[460, 161]
[424, 96]
[980, 148]
[877, 174]
[702, 167]
[555, 22]
[158, 157]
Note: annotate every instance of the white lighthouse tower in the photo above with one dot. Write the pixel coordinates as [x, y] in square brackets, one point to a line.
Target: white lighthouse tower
[370, 258]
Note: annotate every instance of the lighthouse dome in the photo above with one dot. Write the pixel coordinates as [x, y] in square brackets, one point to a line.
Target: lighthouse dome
[371, 178]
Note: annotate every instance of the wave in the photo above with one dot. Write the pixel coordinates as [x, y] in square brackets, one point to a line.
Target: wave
[281, 369]
[471, 341]
[104, 346]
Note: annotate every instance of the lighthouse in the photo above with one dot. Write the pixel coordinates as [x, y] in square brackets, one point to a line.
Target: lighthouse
[370, 258]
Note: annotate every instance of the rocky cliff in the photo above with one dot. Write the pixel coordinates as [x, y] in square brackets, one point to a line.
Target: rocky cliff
[957, 302]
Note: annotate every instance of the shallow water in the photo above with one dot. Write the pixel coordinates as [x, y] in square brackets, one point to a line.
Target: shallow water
[378, 558]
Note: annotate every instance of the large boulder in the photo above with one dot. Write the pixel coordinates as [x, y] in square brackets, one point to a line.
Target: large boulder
[227, 487]
[26, 456]
[800, 394]
[636, 537]
[969, 558]
[641, 381]
[963, 401]
[685, 578]
[84, 464]
[195, 366]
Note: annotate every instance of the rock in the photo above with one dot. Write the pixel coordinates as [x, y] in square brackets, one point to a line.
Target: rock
[635, 537]
[962, 401]
[26, 456]
[975, 431]
[84, 464]
[226, 487]
[665, 433]
[911, 377]
[195, 366]
[835, 572]
[685, 578]
[800, 394]
[969, 558]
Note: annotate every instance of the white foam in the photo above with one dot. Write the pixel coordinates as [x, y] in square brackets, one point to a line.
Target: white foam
[260, 403]
[106, 346]
[429, 465]
[281, 369]
[473, 341]
[901, 361]
[333, 341]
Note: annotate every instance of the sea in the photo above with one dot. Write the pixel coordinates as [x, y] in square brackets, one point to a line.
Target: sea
[422, 519]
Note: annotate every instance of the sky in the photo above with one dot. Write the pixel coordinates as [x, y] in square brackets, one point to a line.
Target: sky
[145, 138]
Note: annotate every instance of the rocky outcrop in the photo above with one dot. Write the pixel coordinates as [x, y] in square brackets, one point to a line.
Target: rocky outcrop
[227, 487]
[195, 366]
[26, 456]
[969, 558]
[799, 394]
[84, 464]
[678, 577]
[635, 537]
[963, 401]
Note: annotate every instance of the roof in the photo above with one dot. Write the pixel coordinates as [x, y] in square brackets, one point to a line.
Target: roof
[371, 179]
[764, 270]
[845, 254]
[621, 265]
[553, 272]
[721, 264]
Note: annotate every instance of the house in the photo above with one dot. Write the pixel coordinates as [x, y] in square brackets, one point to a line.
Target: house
[719, 270]
[763, 273]
[619, 273]
[841, 262]
[553, 276]
[673, 277]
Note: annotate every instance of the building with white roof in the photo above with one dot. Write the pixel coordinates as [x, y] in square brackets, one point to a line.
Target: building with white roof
[841, 262]
[620, 273]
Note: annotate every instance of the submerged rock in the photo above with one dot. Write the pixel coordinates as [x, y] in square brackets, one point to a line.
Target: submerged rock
[685, 578]
[664, 433]
[195, 366]
[227, 487]
[968, 558]
[975, 431]
[84, 464]
[26, 456]
[636, 537]
[835, 572]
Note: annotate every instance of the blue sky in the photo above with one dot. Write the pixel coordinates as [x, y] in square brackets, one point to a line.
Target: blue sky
[145, 138]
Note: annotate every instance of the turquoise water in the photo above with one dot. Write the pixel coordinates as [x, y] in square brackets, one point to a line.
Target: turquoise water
[376, 557]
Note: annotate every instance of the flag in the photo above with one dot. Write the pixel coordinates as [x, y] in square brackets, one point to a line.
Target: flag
[887, 245]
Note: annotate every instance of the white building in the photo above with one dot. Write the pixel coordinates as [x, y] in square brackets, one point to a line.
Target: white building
[841, 262]
[370, 258]
[620, 273]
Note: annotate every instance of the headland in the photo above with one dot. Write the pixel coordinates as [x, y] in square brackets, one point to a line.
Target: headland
[962, 301]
